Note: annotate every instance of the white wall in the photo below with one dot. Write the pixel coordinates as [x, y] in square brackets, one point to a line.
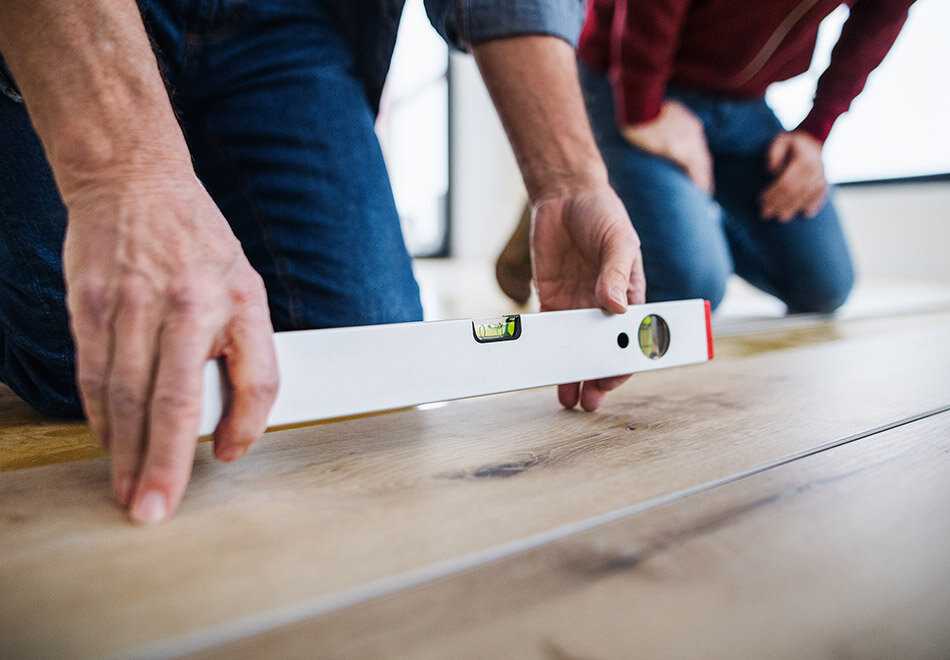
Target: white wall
[899, 231]
[487, 191]
[413, 129]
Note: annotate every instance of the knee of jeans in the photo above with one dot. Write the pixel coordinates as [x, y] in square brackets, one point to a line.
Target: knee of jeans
[46, 383]
[63, 403]
[683, 279]
[823, 296]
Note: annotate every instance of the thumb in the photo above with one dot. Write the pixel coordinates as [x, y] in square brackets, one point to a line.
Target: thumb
[617, 259]
[778, 152]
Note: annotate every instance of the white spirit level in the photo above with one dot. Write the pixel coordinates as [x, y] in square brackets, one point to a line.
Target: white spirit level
[348, 371]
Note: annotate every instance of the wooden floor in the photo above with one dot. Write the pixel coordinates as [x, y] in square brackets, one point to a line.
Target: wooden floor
[790, 499]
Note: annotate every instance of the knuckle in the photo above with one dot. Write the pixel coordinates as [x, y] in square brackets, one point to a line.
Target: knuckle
[263, 390]
[133, 293]
[91, 385]
[615, 272]
[175, 402]
[124, 399]
[90, 296]
[250, 292]
[186, 299]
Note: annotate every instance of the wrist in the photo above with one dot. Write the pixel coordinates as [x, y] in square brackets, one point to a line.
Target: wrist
[107, 143]
[139, 182]
[119, 159]
[816, 125]
[810, 138]
[567, 184]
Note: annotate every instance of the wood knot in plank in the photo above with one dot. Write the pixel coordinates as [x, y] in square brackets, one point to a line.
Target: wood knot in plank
[501, 470]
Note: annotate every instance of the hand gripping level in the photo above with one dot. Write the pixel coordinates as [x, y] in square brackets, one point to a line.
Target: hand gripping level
[347, 371]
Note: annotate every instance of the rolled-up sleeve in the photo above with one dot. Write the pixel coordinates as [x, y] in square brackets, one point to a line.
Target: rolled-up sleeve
[464, 23]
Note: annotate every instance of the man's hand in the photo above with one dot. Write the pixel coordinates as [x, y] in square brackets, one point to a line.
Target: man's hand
[585, 253]
[677, 135]
[157, 285]
[800, 185]
[156, 281]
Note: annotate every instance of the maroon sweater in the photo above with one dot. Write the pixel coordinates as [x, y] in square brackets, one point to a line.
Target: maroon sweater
[735, 48]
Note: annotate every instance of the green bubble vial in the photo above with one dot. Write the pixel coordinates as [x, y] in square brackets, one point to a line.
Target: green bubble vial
[504, 328]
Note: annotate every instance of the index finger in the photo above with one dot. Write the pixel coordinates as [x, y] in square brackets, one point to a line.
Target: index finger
[595, 390]
[252, 371]
[174, 420]
[569, 394]
[637, 291]
[613, 280]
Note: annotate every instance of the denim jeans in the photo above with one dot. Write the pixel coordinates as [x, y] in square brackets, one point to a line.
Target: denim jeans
[281, 134]
[693, 241]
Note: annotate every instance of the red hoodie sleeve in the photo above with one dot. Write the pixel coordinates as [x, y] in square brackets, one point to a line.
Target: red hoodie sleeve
[645, 37]
[865, 39]
[594, 45]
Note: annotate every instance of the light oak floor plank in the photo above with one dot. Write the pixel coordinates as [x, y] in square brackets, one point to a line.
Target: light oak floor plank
[28, 439]
[843, 554]
[315, 513]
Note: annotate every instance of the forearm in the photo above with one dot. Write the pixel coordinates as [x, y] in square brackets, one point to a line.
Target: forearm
[533, 82]
[92, 87]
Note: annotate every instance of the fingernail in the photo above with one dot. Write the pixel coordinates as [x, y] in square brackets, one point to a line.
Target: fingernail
[232, 453]
[618, 296]
[123, 489]
[150, 509]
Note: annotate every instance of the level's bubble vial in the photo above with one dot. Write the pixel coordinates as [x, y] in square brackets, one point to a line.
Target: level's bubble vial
[654, 336]
[504, 328]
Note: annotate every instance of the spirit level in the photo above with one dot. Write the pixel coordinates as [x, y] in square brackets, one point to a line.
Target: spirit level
[348, 371]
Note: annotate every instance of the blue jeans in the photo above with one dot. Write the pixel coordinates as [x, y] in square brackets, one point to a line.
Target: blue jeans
[692, 241]
[281, 134]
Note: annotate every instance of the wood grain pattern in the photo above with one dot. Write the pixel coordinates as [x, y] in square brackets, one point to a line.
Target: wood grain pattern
[27, 439]
[843, 554]
[30, 440]
[313, 514]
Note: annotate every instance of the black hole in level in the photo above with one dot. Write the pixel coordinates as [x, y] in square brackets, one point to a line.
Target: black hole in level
[623, 340]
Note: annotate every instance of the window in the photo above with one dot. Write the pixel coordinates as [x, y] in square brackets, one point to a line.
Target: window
[413, 128]
[899, 126]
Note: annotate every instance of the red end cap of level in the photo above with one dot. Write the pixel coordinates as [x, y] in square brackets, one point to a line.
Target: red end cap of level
[709, 335]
